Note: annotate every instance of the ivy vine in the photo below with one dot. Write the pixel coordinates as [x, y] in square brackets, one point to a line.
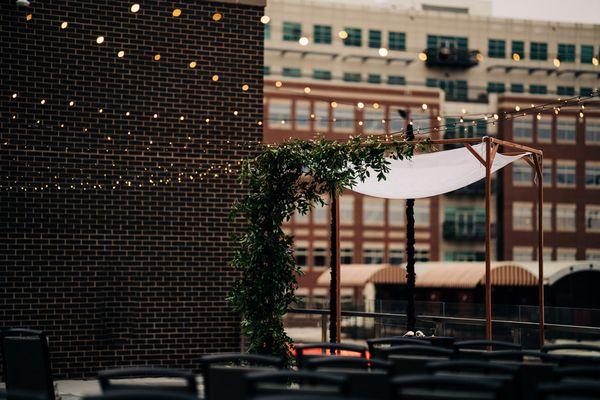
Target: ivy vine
[284, 179]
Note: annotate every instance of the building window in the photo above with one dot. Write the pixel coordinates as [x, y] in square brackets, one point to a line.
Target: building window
[397, 41]
[565, 173]
[496, 48]
[322, 115]
[372, 121]
[521, 253]
[565, 217]
[374, 39]
[291, 72]
[586, 91]
[320, 256]
[354, 37]
[280, 112]
[522, 216]
[522, 174]
[267, 33]
[373, 211]
[587, 54]
[539, 51]
[538, 89]
[372, 254]
[565, 254]
[565, 91]
[517, 88]
[346, 254]
[565, 130]
[322, 74]
[300, 218]
[320, 214]
[374, 78]
[592, 254]
[464, 255]
[266, 70]
[547, 173]
[522, 129]
[592, 218]
[292, 31]
[592, 175]
[343, 118]
[455, 90]
[301, 254]
[421, 254]
[422, 212]
[396, 256]
[352, 77]
[396, 212]
[302, 114]
[347, 209]
[396, 80]
[451, 42]
[547, 212]
[496, 87]
[518, 47]
[592, 131]
[566, 52]
[544, 129]
[322, 34]
[397, 122]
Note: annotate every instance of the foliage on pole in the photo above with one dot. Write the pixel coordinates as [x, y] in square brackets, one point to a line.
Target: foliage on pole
[283, 179]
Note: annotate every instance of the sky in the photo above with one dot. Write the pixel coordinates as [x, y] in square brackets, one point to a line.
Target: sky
[585, 11]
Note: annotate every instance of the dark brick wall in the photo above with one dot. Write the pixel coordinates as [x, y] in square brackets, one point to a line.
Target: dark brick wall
[114, 229]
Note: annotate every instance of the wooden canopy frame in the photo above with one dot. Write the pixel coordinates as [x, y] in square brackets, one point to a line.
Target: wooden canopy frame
[534, 159]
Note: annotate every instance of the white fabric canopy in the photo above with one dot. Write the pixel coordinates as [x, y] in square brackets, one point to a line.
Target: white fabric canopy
[431, 174]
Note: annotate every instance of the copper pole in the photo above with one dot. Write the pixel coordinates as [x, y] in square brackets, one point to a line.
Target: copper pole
[488, 255]
[540, 179]
[335, 309]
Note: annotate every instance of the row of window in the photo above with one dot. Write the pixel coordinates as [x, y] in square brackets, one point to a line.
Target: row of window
[565, 217]
[374, 212]
[565, 52]
[564, 173]
[373, 253]
[561, 130]
[527, 253]
[497, 48]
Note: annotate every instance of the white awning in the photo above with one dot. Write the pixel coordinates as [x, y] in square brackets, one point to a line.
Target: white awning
[431, 174]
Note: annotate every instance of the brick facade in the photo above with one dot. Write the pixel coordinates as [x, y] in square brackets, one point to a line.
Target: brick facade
[123, 257]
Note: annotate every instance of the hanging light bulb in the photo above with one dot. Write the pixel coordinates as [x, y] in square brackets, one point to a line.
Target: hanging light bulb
[595, 61]
[422, 56]
[517, 108]
[516, 56]
[135, 8]
[360, 104]
[343, 34]
[383, 52]
[556, 63]
[265, 19]
[303, 41]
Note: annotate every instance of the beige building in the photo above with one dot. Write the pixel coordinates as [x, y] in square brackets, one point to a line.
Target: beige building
[317, 52]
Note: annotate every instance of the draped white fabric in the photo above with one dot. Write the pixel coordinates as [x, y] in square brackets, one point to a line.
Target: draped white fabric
[431, 174]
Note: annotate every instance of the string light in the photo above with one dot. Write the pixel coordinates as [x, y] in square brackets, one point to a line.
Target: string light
[43, 101]
[155, 116]
[516, 56]
[595, 61]
[556, 63]
[217, 16]
[278, 84]
[360, 104]
[265, 19]
[135, 8]
[245, 87]
[176, 12]
[307, 90]
[64, 25]
[343, 34]
[157, 57]
[376, 105]
[127, 114]
[14, 95]
[121, 54]
[383, 52]
[71, 103]
[424, 106]
[303, 41]
[29, 17]
[517, 108]
[422, 56]
[100, 39]
[539, 116]
[215, 78]
[193, 64]
[334, 104]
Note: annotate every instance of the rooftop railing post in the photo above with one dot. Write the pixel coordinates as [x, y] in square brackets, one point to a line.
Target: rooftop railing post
[488, 255]
[335, 310]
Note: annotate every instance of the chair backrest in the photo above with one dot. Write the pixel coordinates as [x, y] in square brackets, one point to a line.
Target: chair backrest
[306, 397]
[374, 345]
[277, 382]
[141, 395]
[18, 396]
[224, 374]
[571, 354]
[444, 387]
[179, 381]
[581, 372]
[305, 351]
[572, 390]
[357, 363]
[511, 355]
[26, 362]
[416, 350]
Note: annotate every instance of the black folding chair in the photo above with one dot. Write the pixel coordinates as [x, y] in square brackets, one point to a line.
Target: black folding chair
[278, 383]
[327, 349]
[26, 363]
[437, 387]
[305, 397]
[183, 382]
[18, 396]
[475, 349]
[141, 395]
[571, 354]
[375, 345]
[367, 378]
[410, 360]
[570, 390]
[511, 355]
[580, 372]
[224, 374]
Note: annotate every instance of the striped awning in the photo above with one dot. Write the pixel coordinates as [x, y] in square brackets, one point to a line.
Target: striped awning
[361, 274]
[471, 274]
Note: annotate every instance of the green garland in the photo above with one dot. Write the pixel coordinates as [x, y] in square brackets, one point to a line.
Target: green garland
[283, 179]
